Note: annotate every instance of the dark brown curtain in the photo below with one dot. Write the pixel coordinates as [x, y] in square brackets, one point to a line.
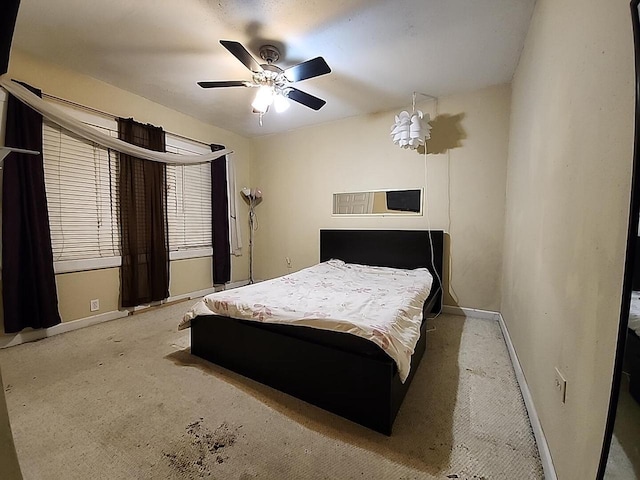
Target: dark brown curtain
[7, 24]
[220, 219]
[143, 218]
[28, 281]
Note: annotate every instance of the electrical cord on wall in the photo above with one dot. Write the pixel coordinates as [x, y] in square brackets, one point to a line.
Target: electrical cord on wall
[426, 210]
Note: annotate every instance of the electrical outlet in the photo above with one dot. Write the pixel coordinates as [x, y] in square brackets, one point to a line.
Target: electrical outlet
[560, 385]
[95, 305]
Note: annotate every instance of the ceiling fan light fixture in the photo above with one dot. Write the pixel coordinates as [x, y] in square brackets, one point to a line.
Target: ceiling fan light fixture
[264, 98]
[271, 80]
[280, 103]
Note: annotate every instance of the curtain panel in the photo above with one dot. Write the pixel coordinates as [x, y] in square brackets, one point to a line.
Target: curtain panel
[220, 219]
[143, 218]
[28, 280]
[7, 25]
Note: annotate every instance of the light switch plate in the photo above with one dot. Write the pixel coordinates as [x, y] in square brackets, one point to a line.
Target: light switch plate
[560, 384]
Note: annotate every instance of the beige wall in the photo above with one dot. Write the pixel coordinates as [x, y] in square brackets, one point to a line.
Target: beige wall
[299, 171]
[75, 290]
[190, 275]
[568, 190]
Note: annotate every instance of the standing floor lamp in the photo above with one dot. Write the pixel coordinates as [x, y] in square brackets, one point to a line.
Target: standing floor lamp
[253, 196]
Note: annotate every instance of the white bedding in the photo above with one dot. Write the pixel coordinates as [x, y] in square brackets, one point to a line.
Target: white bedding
[383, 305]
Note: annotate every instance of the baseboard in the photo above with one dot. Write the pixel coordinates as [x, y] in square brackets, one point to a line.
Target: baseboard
[240, 283]
[470, 312]
[541, 440]
[538, 433]
[10, 340]
[199, 293]
[25, 336]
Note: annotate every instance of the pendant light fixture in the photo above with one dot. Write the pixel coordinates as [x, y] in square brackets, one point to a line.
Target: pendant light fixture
[411, 130]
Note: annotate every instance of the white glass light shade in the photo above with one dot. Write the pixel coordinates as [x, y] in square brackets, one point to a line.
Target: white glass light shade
[264, 98]
[280, 103]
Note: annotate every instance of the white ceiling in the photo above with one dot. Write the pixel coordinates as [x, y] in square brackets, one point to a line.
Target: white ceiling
[379, 51]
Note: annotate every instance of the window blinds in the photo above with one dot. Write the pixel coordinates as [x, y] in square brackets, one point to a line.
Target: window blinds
[188, 199]
[82, 195]
[80, 180]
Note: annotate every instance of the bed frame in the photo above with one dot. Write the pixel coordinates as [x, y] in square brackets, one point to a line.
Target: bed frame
[632, 361]
[362, 387]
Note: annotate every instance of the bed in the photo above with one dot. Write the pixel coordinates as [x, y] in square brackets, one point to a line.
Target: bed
[632, 350]
[342, 373]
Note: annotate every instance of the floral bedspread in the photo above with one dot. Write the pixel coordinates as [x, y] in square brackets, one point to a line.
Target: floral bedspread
[383, 305]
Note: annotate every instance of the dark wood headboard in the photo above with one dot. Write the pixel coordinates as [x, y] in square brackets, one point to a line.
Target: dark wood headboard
[387, 248]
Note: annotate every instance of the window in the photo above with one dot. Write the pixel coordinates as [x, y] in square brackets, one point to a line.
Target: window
[188, 202]
[82, 198]
[81, 181]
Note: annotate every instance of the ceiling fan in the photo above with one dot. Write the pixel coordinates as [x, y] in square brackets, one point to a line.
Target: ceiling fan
[273, 83]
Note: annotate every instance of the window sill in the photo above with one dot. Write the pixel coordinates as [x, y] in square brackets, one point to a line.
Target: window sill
[195, 253]
[69, 266]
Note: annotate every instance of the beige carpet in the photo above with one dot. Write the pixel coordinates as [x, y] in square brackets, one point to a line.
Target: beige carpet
[126, 400]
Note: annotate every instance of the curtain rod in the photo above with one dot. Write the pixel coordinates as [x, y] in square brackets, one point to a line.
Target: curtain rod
[106, 114]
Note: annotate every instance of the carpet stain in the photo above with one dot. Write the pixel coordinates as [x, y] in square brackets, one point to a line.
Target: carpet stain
[475, 477]
[200, 449]
[479, 371]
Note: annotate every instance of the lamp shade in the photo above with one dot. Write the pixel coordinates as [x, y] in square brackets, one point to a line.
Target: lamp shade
[280, 103]
[264, 98]
[409, 130]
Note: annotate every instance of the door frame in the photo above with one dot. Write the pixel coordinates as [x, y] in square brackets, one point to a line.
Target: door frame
[632, 235]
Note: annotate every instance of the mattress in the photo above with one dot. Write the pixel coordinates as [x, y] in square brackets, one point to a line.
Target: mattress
[339, 340]
[380, 305]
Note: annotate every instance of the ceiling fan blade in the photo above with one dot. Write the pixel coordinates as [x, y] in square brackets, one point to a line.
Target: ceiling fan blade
[241, 53]
[305, 99]
[231, 83]
[309, 69]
